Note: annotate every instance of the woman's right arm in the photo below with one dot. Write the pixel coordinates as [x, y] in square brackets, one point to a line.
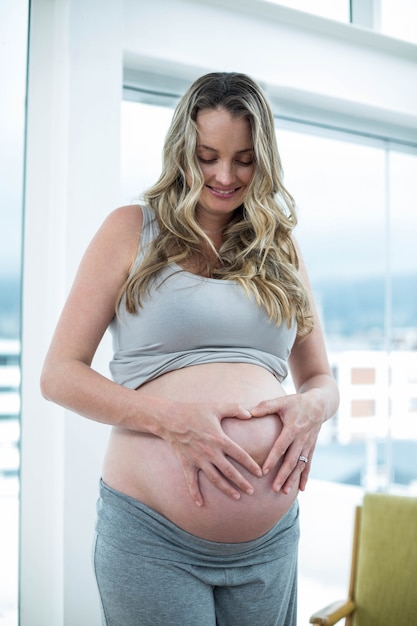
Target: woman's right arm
[67, 377]
[194, 431]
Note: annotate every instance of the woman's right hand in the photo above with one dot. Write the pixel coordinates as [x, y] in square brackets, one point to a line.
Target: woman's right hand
[195, 434]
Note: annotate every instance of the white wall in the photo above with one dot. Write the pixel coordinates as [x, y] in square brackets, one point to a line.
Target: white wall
[72, 182]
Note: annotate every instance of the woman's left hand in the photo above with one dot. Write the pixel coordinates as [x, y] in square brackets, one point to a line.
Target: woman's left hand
[302, 416]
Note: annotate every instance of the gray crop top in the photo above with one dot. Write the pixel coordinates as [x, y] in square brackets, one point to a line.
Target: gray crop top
[189, 320]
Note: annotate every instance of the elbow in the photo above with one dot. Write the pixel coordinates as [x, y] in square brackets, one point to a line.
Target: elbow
[47, 383]
[44, 387]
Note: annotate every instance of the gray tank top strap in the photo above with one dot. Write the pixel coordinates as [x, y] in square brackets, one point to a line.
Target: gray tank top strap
[150, 230]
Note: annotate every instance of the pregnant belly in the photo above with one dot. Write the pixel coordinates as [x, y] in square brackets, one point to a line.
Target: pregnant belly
[145, 467]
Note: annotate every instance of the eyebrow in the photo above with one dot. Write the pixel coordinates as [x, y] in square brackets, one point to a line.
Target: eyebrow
[214, 149]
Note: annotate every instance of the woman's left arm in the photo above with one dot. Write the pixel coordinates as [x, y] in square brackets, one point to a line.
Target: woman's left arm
[303, 413]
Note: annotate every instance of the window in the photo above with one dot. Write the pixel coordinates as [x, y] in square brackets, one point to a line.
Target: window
[143, 128]
[13, 36]
[398, 18]
[395, 18]
[331, 9]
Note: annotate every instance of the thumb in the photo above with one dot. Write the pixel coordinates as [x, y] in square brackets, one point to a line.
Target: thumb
[267, 407]
[236, 411]
[243, 414]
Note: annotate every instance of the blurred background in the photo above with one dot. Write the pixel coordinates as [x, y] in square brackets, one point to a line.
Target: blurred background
[87, 93]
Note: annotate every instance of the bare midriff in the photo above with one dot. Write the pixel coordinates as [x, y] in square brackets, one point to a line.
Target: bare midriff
[145, 467]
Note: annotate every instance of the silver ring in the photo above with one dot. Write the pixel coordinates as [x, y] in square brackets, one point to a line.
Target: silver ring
[302, 458]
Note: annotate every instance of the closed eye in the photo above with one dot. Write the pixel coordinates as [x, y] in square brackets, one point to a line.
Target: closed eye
[209, 161]
[206, 160]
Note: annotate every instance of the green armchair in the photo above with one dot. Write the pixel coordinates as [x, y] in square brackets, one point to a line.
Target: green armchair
[383, 578]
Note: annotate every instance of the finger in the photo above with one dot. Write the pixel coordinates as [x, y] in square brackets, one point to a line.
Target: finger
[191, 478]
[222, 473]
[277, 451]
[234, 451]
[219, 481]
[272, 459]
[306, 471]
[230, 472]
[240, 413]
[285, 476]
[295, 478]
[233, 410]
[304, 477]
[266, 407]
[290, 473]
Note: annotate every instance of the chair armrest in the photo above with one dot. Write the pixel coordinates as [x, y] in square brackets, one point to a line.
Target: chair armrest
[332, 613]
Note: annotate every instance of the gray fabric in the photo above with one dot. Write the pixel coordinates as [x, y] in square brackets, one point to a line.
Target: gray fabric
[189, 320]
[151, 573]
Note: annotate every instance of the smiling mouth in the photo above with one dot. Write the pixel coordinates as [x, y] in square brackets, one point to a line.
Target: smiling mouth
[224, 192]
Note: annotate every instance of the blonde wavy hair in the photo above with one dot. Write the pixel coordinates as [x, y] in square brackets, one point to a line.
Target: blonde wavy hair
[257, 249]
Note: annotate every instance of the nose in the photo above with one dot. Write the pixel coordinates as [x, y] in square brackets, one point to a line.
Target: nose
[225, 174]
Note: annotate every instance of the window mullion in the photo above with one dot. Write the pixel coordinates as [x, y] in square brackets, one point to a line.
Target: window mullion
[366, 13]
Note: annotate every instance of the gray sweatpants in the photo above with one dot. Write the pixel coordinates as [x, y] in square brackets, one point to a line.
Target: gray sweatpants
[151, 573]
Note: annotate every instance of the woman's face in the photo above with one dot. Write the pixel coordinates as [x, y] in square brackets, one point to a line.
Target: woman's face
[226, 157]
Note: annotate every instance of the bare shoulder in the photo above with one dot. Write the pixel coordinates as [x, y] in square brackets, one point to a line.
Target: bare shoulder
[119, 235]
[127, 218]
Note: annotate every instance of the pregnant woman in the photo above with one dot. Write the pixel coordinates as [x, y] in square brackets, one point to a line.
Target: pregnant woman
[205, 292]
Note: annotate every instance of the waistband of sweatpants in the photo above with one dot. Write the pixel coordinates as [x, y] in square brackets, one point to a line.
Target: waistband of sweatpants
[129, 524]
